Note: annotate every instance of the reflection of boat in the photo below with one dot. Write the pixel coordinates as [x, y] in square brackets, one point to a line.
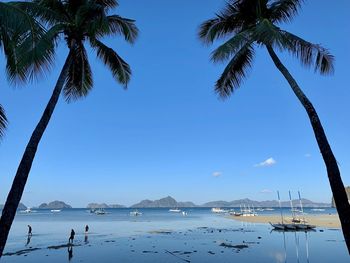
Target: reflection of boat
[175, 210]
[218, 210]
[135, 213]
[55, 210]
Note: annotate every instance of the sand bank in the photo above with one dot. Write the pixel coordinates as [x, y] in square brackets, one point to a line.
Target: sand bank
[321, 220]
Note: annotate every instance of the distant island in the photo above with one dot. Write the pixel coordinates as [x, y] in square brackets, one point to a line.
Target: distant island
[163, 202]
[54, 205]
[170, 202]
[103, 205]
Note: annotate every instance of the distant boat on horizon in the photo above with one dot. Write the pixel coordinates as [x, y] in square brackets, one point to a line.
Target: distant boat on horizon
[218, 210]
[135, 213]
[175, 210]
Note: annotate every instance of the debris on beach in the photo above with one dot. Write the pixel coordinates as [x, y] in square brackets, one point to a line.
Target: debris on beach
[21, 252]
[167, 232]
[228, 245]
[63, 246]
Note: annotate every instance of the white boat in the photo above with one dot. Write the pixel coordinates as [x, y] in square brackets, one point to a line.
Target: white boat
[184, 213]
[218, 210]
[269, 209]
[100, 211]
[175, 210]
[55, 210]
[28, 210]
[135, 213]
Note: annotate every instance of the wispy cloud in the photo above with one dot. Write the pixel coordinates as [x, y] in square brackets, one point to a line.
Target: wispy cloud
[217, 174]
[307, 155]
[266, 163]
[266, 191]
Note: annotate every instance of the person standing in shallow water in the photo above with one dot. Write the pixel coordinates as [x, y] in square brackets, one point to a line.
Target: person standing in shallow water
[29, 230]
[86, 229]
[71, 238]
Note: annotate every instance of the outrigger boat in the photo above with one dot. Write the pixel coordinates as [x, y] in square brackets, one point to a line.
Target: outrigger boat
[135, 213]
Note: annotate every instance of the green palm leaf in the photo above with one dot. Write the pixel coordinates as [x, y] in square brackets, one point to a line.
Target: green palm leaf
[79, 78]
[235, 71]
[120, 69]
[3, 121]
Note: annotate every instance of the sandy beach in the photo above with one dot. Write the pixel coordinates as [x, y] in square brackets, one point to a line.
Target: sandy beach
[321, 220]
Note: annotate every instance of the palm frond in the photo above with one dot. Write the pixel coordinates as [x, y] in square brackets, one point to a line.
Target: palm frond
[284, 10]
[308, 53]
[224, 23]
[230, 47]
[3, 121]
[107, 3]
[120, 69]
[123, 26]
[235, 71]
[45, 11]
[79, 77]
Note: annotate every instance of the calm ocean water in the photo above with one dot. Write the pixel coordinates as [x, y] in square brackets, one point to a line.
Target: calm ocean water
[161, 236]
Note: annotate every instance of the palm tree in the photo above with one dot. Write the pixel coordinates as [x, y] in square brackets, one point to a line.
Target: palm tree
[77, 22]
[248, 24]
[20, 34]
[3, 121]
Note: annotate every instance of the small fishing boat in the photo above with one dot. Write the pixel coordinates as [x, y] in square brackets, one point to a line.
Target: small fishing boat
[28, 210]
[175, 210]
[135, 213]
[55, 210]
[218, 210]
[184, 213]
[100, 211]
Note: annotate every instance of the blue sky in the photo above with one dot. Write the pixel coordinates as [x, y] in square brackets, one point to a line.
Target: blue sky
[169, 134]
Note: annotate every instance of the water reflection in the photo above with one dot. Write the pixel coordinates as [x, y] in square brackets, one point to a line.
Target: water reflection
[70, 252]
[297, 236]
[86, 239]
[29, 237]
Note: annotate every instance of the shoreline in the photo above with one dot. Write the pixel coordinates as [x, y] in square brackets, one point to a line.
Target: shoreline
[321, 220]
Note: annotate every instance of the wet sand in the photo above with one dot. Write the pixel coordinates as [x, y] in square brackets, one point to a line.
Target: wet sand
[321, 220]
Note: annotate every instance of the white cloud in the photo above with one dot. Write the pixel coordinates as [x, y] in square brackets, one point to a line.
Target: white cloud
[217, 174]
[266, 191]
[307, 155]
[268, 162]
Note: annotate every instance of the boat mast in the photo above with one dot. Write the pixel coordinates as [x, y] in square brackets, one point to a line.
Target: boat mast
[279, 202]
[301, 207]
[291, 205]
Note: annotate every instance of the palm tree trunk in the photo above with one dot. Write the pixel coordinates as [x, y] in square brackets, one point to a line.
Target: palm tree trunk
[337, 186]
[17, 188]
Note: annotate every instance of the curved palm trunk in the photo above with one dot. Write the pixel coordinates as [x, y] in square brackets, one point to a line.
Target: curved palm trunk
[17, 188]
[337, 186]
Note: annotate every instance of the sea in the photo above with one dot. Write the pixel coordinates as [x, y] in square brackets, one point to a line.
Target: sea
[162, 236]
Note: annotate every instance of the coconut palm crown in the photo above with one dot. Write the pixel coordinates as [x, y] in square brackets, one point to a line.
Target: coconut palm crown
[78, 22]
[248, 24]
[20, 35]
